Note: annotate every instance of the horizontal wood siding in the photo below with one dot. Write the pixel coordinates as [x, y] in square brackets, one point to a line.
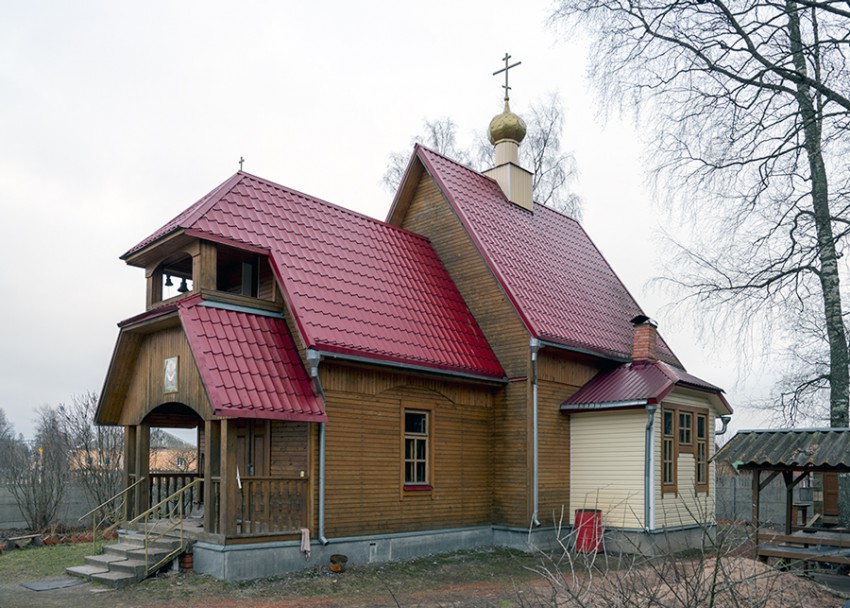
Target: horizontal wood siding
[289, 449]
[559, 375]
[364, 493]
[146, 385]
[430, 214]
[607, 465]
[689, 507]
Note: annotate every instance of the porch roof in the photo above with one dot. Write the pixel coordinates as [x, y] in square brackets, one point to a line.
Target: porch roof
[638, 384]
[826, 449]
[249, 364]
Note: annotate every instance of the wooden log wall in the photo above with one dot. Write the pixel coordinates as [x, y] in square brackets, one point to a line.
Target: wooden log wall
[146, 385]
[364, 493]
[430, 214]
[289, 449]
[559, 374]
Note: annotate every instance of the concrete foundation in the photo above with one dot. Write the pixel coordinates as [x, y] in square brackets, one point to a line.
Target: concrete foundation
[260, 560]
[658, 542]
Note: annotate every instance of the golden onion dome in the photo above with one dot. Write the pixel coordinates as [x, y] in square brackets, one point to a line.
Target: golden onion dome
[507, 125]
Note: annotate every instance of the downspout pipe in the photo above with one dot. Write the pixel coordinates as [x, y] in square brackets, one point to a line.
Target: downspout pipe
[649, 462]
[313, 359]
[534, 346]
[725, 420]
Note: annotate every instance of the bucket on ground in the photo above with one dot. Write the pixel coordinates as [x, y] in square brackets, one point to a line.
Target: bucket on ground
[588, 530]
[338, 563]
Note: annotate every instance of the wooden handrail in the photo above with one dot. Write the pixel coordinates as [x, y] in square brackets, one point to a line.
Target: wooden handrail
[98, 508]
[164, 501]
[151, 538]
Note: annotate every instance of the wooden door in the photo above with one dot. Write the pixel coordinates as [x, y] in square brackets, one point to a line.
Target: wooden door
[251, 448]
[830, 494]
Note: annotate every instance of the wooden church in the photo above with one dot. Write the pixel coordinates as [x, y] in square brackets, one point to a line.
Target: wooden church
[469, 372]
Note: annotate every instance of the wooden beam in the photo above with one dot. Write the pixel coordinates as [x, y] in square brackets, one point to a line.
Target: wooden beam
[756, 493]
[143, 450]
[212, 468]
[230, 492]
[799, 479]
[130, 469]
[773, 475]
[788, 478]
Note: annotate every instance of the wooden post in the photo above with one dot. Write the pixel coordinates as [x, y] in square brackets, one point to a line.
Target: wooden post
[143, 450]
[756, 493]
[230, 492]
[788, 478]
[130, 470]
[212, 468]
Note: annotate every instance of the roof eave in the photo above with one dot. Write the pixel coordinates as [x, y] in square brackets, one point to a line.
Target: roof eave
[406, 189]
[323, 351]
[579, 408]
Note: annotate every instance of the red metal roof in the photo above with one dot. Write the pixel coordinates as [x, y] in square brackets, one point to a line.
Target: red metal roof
[559, 282]
[355, 285]
[249, 364]
[636, 383]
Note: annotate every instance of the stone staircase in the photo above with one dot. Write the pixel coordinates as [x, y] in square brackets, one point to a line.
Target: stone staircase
[123, 563]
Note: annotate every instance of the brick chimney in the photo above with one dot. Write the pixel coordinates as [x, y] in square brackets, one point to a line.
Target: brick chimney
[645, 342]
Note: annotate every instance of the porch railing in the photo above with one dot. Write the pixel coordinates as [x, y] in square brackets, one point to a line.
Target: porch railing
[167, 484]
[161, 520]
[272, 505]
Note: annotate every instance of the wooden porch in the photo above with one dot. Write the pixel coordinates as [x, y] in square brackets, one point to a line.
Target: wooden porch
[227, 506]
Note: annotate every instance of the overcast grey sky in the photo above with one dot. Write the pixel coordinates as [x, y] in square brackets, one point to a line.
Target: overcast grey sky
[114, 117]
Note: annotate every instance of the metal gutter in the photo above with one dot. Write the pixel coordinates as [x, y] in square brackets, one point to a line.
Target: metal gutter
[595, 407]
[649, 469]
[534, 346]
[725, 420]
[408, 366]
[587, 351]
[313, 358]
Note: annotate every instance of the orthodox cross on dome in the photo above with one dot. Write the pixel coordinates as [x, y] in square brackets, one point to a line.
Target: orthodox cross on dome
[505, 69]
[241, 160]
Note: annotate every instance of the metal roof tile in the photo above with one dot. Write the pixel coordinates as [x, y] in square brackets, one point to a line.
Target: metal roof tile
[558, 280]
[265, 349]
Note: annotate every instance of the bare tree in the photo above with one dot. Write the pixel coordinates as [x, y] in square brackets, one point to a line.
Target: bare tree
[440, 135]
[96, 451]
[37, 473]
[750, 105]
[540, 152]
[7, 432]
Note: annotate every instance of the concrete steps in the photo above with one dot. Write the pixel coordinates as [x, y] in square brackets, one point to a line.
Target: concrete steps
[124, 563]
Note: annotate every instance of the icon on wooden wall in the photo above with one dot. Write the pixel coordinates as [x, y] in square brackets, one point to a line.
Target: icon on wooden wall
[170, 378]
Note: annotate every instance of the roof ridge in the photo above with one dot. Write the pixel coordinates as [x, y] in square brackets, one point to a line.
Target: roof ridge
[334, 205]
[188, 216]
[483, 175]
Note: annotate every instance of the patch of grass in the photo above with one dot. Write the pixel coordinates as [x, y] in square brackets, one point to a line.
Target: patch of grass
[33, 563]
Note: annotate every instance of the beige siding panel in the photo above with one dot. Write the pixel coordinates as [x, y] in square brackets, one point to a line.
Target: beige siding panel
[607, 466]
[688, 507]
